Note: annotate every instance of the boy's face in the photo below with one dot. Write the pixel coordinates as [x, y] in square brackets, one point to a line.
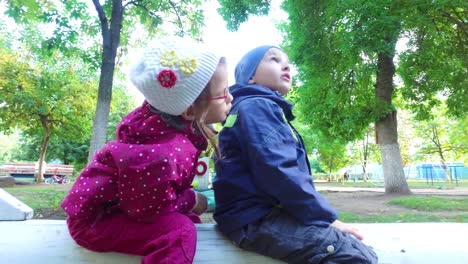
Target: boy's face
[273, 71]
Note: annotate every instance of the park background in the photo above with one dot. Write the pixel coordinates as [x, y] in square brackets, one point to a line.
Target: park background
[380, 87]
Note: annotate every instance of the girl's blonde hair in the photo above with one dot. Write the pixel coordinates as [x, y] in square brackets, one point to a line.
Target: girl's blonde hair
[201, 108]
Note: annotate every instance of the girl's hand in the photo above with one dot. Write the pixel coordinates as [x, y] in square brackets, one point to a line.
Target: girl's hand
[201, 204]
[347, 229]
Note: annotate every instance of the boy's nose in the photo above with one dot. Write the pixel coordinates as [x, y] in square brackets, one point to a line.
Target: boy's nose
[287, 67]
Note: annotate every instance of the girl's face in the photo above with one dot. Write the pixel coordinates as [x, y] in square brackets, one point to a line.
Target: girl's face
[218, 99]
[273, 72]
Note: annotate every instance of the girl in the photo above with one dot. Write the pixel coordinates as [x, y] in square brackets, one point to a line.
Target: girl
[136, 196]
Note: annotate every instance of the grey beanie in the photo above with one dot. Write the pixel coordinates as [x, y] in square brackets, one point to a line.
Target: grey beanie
[247, 66]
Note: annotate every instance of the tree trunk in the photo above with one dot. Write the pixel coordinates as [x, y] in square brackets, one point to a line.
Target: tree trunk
[110, 41]
[436, 140]
[39, 177]
[365, 147]
[386, 129]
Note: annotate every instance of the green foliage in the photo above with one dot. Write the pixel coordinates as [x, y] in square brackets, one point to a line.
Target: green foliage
[115, 21]
[434, 68]
[331, 153]
[71, 150]
[444, 138]
[235, 12]
[334, 45]
[8, 143]
[315, 166]
[49, 27]
[56, 92]
[67, 151]
[52, 98]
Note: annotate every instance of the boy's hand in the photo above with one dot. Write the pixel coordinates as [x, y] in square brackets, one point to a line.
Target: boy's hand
[201, 204]
[347, 229]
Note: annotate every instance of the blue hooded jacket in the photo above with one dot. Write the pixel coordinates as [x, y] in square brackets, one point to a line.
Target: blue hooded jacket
[264, 164]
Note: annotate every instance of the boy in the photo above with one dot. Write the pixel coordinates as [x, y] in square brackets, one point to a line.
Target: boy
[265, 197]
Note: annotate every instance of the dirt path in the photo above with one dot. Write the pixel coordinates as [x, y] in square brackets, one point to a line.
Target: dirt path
[367, 203]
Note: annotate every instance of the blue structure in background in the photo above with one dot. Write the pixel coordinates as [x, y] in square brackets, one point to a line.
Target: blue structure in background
[435, 171]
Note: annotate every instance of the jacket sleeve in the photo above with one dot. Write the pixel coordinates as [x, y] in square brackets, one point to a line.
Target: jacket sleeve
[272, 152]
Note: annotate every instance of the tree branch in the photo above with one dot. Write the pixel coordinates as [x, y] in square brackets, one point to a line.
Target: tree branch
[178, 16]
[131, 3]
[138, 4]
[102, 18]
[460, 22]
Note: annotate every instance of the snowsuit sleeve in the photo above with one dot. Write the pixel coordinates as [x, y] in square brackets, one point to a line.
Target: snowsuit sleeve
[141, 180]
[95, 189]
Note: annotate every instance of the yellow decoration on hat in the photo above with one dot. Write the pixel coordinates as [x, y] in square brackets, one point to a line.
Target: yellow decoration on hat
[188, 65]
[169, 58]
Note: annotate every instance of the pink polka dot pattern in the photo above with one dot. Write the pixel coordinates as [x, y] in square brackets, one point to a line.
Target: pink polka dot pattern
[146, 171]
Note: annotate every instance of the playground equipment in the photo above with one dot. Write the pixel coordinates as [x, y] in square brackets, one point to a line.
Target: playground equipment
[202, 181]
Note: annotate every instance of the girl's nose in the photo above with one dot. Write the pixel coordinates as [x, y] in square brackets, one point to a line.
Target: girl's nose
[287, 67]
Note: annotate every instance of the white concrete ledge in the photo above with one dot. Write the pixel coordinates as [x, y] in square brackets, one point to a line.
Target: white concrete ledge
[48, 241]
[12, 209]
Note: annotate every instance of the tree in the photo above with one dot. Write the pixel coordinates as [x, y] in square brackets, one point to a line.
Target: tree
[115, 20]
[42, 98]
[441, 138]
[435, 65]
[364, 150]
[345, 53]
[72, 150]
[111, 19]
[329, 152]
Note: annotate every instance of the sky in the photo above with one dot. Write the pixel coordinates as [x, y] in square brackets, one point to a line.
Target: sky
[257, 31]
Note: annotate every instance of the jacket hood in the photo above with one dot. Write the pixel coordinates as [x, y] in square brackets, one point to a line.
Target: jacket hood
[144, 126]
[242, 92]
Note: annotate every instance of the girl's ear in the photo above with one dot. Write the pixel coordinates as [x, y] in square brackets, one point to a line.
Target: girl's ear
[189, 114]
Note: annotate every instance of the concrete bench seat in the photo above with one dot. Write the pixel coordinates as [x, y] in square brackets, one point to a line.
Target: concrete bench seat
[48, 241]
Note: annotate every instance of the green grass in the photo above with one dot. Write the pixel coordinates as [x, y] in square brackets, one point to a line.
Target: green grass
[432, 203]
[402, 218]
[38, 198]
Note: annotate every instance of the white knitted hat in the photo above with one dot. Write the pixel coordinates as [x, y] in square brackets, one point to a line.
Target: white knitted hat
[173, 72]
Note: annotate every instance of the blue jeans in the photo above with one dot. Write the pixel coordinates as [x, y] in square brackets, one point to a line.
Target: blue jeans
[280, 236]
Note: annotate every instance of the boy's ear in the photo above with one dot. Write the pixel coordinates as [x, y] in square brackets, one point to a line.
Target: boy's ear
[189, 114]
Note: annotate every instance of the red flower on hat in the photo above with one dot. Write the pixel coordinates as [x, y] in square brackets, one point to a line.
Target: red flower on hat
[167, 78]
